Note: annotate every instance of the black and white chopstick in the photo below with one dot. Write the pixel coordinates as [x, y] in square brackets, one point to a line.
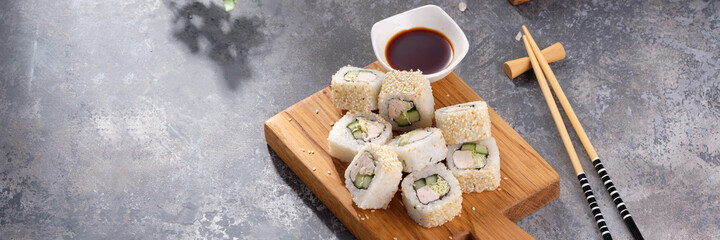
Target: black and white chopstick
[629, 222]
[592, 203]
[533, 52]
[624, 212]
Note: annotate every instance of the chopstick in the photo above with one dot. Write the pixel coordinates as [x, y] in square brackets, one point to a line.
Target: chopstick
[592, 202]
[595, 159]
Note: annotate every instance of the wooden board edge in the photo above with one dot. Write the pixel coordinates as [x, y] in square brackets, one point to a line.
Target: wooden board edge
[306, 176]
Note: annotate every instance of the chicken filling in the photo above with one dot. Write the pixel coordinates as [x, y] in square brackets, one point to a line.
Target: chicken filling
[413, 136]
[365, 129]
[403, 112]
[470, 156]
[363, 171]
[431, 188]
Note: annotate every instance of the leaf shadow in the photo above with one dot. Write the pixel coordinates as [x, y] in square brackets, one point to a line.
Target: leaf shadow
[226, 40]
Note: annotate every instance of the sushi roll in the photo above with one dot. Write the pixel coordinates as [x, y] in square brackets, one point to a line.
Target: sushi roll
[373, 176]
[419, 148]
[465, 122]
[431, 196]
[355, 130]
[476, 165]
[406, 100]
[356, 88]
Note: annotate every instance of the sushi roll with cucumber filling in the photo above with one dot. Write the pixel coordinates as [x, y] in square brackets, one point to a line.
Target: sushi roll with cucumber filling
[406, 100]
[476, 165]
[419, 148]
[373, 176]
[431, 196]
[356, 88]
[465, 122]
[355, 130]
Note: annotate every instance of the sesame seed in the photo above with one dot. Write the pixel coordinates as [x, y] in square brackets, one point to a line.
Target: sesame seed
[372, 210]
[473, 208]
[362, 219]
[499, 189]
[329, 173]
[314, 168]
[289, 119]
[450, 237]
[302, 149]
[394, 238]
[506, 178]
[317, 111]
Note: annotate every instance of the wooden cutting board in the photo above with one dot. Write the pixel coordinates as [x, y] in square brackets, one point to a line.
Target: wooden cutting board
[298, 135]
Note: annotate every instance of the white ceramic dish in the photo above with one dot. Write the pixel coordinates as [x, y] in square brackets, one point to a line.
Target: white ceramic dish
[428, 16]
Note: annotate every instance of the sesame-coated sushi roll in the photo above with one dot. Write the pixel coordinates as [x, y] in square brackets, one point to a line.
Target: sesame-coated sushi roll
[373, 176]
[476, 165]
[355, 130]
[406, 100]
[431, 196]
[419, 148]
[465, 122]
[356, 88]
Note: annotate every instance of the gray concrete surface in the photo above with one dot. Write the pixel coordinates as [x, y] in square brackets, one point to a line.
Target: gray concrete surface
[143, 119]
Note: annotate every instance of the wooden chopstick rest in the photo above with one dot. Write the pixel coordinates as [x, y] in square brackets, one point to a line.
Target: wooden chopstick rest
[514, 68]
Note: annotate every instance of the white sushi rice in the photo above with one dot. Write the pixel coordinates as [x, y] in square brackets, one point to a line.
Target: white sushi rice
[407, 86]
[438, 212]
[341, 143]
[384, 185]
[423, 152]
[361, 96]
[478, 180]
[461, 123]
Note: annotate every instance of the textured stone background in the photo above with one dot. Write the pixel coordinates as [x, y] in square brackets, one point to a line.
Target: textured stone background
[144, 118]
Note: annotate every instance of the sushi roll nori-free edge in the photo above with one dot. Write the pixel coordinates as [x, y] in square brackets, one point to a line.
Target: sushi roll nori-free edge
[355, 130]
[476, 165]
[419, 148]
[356, 88]
[406, 100]
[373, 176]
[465, 122]
[431, 196]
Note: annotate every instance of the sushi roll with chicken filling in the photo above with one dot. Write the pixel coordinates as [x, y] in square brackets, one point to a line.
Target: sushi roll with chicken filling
[466, 122]
[476, 165]
[419, 148]
[356, 88]
[406, 100]
[373, 176]
[431, 196]
[355, 130]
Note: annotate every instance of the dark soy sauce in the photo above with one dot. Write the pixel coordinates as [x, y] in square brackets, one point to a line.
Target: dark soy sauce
[419, 48]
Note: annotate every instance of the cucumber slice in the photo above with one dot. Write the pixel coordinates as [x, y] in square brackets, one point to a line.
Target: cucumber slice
[351, 75]
[362, 181]
[366, 181]
[468, 147]
[413, 115]
[357, 134]
[480, 160]
[419, 183]
[353, 125]
[402, 121]
[431, 179]
[481, 149]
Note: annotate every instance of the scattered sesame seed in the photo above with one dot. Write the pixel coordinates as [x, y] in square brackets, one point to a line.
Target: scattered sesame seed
[473, 208]
[289, 119]
[362, 219]
[314, 168]
[462, 6]
[317, 111]
[372, 210]
[302, 149]
[506, 178]
[367, 217]
[447, 95]
[450, 237]
[329, 173]
[394, 238]
[499, 189]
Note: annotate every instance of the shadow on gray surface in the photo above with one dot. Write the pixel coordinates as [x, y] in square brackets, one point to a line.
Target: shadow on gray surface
[211, 31]
[292, 180]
